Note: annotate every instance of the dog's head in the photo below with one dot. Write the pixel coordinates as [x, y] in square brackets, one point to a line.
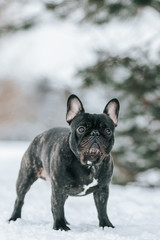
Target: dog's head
[92, 135]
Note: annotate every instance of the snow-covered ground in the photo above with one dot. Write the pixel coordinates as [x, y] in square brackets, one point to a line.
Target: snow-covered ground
[134, 211]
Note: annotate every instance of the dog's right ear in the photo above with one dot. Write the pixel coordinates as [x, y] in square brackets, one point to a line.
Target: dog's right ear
[74, 107]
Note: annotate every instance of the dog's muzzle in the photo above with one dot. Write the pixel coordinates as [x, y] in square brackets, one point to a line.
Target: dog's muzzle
[93, 156]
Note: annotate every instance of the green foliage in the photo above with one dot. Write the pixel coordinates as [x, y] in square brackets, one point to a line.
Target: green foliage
[141, 78]
[140, 90]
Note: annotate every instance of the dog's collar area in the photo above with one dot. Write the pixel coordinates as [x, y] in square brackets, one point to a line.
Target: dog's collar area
[94, 170]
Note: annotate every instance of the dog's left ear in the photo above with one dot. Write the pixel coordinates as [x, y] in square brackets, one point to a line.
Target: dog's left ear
[112, 110]
[74, 107]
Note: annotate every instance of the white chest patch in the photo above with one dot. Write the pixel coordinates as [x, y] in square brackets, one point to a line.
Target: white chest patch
[86, 187]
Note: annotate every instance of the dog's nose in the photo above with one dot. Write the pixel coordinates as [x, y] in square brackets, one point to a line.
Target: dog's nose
[95, 133]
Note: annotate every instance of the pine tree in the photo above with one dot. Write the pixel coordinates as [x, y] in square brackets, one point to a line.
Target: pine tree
[140, 94]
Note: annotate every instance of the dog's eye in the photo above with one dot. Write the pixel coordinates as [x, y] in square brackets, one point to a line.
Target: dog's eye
[81, 129]
[108, 131]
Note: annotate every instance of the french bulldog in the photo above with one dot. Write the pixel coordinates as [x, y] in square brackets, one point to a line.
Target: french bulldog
[77, 161]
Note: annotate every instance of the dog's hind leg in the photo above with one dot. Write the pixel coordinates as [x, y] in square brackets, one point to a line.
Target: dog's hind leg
[27, 176]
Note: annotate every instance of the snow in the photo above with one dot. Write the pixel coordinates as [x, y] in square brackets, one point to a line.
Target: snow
[150, 177]
[133, 210]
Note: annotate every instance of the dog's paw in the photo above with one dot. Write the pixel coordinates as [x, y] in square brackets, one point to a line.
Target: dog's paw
[61, 225]
[105, 223]
[13, 218]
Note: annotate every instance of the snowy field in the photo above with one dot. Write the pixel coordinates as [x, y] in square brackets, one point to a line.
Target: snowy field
[134, 211]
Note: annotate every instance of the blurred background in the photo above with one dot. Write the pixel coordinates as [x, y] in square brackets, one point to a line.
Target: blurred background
[97, 49]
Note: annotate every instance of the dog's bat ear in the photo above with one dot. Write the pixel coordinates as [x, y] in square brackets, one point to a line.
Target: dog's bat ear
[74, 107]
[112, 110]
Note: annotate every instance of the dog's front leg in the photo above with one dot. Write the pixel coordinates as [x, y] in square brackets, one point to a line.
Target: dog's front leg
[57, 203]
[101, 198]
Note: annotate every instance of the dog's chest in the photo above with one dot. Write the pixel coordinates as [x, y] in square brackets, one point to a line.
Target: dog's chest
[84, 182]
[89, 188]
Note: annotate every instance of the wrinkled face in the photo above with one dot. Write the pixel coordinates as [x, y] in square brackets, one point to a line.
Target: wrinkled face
[92, 137]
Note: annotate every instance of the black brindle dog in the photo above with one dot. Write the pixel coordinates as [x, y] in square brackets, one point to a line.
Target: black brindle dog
[77, 161]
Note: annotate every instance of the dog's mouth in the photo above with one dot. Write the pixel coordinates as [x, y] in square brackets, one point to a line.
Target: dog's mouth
[92, 156]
